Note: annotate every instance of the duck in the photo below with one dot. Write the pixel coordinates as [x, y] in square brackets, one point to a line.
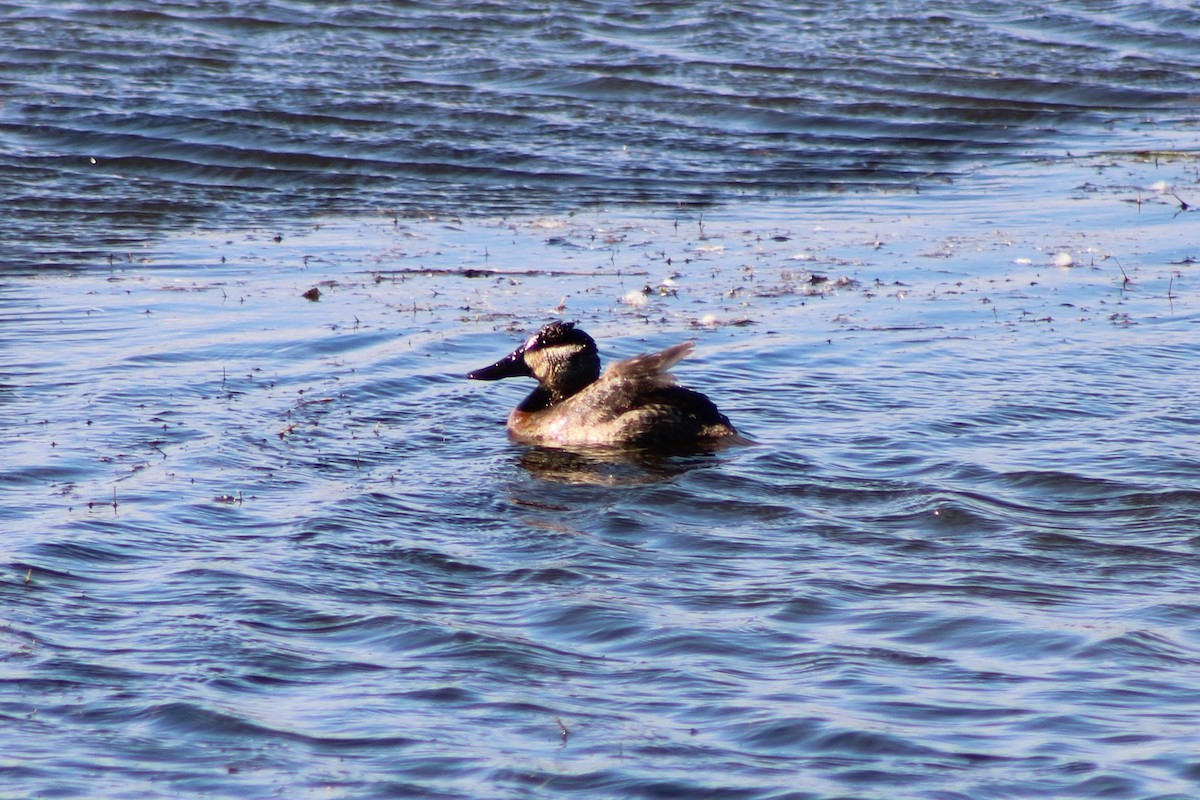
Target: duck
[634, 402]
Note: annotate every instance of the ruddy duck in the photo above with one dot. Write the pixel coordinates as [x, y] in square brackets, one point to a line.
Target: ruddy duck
[635, 402]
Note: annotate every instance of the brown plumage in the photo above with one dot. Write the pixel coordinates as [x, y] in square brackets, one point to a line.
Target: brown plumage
[635, 401]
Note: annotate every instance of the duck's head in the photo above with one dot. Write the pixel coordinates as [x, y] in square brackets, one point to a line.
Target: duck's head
[560, 356]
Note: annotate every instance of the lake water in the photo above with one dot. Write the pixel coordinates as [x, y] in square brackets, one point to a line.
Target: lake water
[939, 261]
[127, 118]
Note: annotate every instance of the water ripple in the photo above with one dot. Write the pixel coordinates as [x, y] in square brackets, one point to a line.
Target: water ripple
[259, 545]
[247, 110]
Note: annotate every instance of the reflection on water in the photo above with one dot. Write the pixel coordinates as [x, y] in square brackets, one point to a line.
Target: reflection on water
[615, 466]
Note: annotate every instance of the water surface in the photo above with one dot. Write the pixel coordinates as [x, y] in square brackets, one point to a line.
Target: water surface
[939, 262]
[257, 545]
[126, 119]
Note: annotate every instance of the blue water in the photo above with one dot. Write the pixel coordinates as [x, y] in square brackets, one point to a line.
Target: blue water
[128, 118]
[939, 263]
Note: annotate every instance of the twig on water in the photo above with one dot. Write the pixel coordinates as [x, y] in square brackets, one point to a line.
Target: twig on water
[1127, 281]
[472, 272]
[566, 734]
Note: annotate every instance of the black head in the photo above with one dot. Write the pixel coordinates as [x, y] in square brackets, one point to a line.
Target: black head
[559, 334]
[562, 357]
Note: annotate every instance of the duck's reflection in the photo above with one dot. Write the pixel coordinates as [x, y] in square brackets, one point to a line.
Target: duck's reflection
[614, 466]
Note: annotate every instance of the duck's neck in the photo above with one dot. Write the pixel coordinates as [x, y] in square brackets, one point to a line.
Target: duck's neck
[541, 397]
[538, 399]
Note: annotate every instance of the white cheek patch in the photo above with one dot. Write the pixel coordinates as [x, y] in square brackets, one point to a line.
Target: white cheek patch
[550, 362]
[562, 352]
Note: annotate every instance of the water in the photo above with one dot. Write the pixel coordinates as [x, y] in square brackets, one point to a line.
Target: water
[256, 545]
[122, 119]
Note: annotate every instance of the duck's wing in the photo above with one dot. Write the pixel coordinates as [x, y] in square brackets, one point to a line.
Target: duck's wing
[650, 365]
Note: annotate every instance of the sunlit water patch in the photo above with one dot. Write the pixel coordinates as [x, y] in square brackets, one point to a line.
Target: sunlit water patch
[260, 544]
